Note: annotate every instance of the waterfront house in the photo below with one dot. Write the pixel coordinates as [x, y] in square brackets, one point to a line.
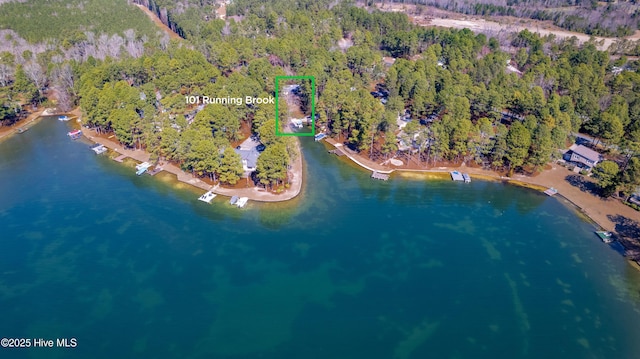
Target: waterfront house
[583, 156]
[249, 158]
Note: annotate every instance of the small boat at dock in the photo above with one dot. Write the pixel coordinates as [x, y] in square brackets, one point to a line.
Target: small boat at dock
[142, 168]
[550, 191]
[23, 129]
[63, 118]
[242, 201]
[607, 237]
[75, 134]
[234, 200]
[320, 136]
[466, 177]
[207, 197]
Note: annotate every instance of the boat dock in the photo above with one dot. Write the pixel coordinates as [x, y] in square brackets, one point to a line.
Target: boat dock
[379, 176]
[606, 237]
[337, 152]
[156, 170]
[467, 178]
[456, 176]
[207, 197]
[550, 191]
[242, 201]
[75, 134]
[98, 149]
[120, 158]
[142, 168]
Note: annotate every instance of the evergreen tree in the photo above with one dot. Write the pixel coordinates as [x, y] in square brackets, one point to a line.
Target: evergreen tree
[607, 174]
[272, 165]
[230, 168]
[518, 143]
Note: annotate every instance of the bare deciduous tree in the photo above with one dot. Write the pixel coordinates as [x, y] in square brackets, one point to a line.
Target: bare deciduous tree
[65, 100]
[36, 74]
[63, 77]
[164, 41]
[6, 74]
[114, 46]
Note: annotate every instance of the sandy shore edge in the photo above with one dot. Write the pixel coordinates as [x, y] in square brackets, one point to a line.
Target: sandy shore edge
[31, 120]
[601, 212]
[253, 193]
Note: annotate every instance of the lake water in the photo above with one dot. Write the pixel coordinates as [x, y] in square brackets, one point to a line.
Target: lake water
[136, 267]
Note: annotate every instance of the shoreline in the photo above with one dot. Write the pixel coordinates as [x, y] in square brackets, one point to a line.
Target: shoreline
[31, 120]
[599, 211]
[253, 193]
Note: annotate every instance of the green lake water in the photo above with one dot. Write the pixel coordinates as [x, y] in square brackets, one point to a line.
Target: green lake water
[134, 267]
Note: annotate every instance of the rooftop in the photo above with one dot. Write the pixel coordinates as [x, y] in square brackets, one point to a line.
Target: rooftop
[586, 152]
[388, 60]
[250, 156]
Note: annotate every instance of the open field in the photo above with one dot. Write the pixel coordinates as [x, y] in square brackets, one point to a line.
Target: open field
[441, 18]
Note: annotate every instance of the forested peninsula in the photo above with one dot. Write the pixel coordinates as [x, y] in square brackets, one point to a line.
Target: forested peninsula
[463, 97]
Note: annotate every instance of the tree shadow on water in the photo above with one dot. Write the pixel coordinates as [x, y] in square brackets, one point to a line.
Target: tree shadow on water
[584, 185]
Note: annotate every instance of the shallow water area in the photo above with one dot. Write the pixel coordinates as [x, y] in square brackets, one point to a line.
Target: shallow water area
[136, 266]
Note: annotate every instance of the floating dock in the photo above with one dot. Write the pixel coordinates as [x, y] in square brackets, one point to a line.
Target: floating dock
[550, 191]
[456, 176]
[120, 158]
[207, 197]
[98, 149]
[142, 168]
[242, 201]
[75, 134]
[379, 176]
[606, 237]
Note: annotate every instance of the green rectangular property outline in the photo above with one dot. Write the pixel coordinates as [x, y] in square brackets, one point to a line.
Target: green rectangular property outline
[313, 105]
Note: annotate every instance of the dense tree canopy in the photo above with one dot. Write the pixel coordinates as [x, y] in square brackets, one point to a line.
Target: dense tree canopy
[453, 87]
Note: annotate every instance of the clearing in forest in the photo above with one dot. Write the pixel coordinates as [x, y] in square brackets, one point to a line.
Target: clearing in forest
[295, 105]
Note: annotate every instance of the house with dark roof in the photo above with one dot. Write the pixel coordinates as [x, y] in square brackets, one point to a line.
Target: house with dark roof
[583, 156]
[249, 158]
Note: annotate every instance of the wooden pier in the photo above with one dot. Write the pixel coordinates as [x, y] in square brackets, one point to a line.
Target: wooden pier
[156, 170]
[379, 176]
[337, 152]
[120, 158]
